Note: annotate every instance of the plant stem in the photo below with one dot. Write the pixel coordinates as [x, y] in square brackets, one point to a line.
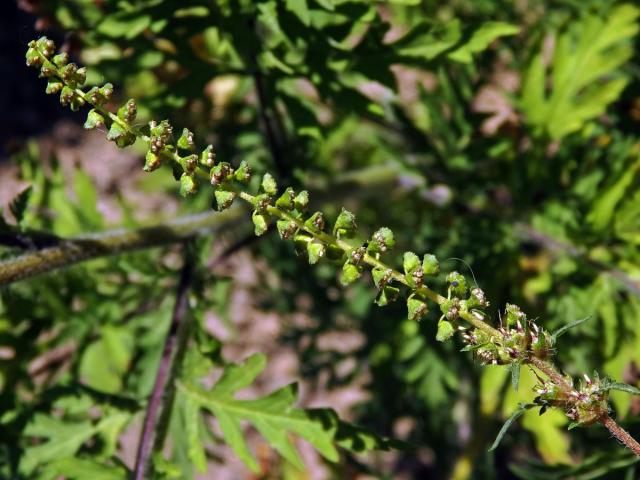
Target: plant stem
[621, 434]
[87, 247]
[161, 399]
[552, 372]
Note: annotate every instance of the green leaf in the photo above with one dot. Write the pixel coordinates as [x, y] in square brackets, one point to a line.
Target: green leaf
[124, 24]
[426, 41]
[584, 72]
[623, 387]
[274, 416]
[63, 440]
[605, 205]
[105, 361]
[515, 375]
[18, 205]
[480, 40]
[299, 9]
[514, 416]
[562, 330]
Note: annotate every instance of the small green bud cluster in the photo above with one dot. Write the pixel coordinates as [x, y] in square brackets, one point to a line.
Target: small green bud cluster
[584, 404]
[62, 77]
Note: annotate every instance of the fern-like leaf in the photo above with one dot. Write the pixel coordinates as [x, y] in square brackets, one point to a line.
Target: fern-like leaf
[584, 72]
[274, 416]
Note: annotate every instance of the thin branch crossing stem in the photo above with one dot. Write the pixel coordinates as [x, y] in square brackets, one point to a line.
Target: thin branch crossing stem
[161, 399]
[74, 250]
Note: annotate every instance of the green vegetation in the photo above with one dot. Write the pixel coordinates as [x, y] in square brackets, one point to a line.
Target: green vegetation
[376, 109]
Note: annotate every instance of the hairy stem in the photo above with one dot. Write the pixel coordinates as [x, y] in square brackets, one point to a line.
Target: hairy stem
[74, 250]
[621, 434]
[161, 399]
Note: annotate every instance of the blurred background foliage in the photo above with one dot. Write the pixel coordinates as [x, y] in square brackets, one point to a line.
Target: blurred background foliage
[498, 135]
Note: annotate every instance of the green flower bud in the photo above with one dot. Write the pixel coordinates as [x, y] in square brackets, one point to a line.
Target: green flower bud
[262, 202]
[316, 251]
[350, 273]
[47, 70]
[66, 95]
[106, 91]
[94, 120]
[80, 76]
[61, 59]
[413, 270]
[513, 314]
[187, 185]
[208, 157]
[221, 173]
[387, 295]
[445, 331]
[450, 308]
[259, 222]
[381, 241]
[68, 73]
[94, 96]
[243, 174]
[76, 103]
[301, 202]
[381, 276]
[430, 264]
[457, 284]
[189, 163]
[185, 142]
[45, 46]
[286, 228]
[128, 111]
[285, 201]
[316, 222]
[224, 199]
[151, 162]
[345, 225]
[54, 86]
[118, 134]
[33, 58]
[269, 185]
[416, 308]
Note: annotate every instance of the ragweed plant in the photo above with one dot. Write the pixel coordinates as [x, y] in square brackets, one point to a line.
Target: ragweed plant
[515, 341]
